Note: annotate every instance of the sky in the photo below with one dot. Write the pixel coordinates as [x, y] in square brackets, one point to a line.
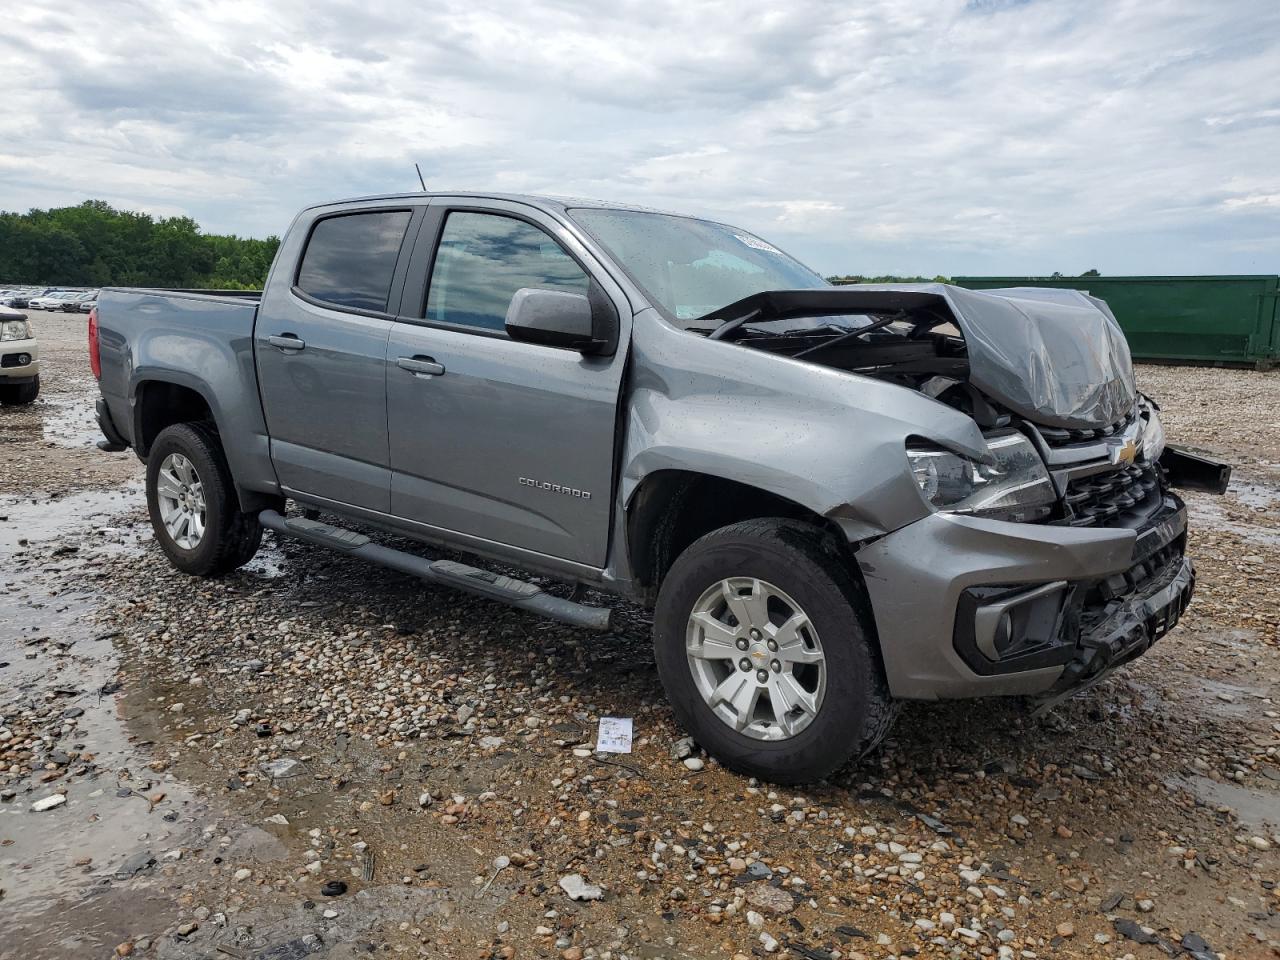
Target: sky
[956, 137]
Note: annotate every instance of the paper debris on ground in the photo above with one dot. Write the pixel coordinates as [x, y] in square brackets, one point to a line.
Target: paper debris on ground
[614, 735]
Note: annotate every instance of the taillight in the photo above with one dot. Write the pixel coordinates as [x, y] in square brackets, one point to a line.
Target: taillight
[95, 359]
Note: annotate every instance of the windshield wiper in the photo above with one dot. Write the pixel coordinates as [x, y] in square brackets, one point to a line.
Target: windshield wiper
[877, 325]
[722, 331]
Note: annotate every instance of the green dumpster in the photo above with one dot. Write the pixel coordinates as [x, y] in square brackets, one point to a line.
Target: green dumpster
[1223, 320]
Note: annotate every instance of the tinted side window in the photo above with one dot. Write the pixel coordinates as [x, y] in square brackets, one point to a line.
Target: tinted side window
[484, 259]
[349, 259]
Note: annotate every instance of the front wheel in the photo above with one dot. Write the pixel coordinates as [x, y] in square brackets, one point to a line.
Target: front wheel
[764, 654]
[21, 392]
[193, 505]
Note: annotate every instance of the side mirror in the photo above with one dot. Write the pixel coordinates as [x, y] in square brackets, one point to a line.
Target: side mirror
[557, 318]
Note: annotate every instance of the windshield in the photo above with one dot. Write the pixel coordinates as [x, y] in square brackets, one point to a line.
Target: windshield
[692, 267]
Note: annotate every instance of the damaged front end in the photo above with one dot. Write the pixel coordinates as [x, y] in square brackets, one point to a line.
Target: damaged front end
[1059, 558]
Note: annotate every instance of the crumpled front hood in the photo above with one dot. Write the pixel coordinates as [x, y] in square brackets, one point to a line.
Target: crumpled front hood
[1057, 357]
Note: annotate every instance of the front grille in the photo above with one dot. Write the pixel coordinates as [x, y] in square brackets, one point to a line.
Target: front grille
[1061, 437]
[1123, 497]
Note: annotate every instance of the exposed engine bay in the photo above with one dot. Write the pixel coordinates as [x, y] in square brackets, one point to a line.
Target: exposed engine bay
[1056, 357]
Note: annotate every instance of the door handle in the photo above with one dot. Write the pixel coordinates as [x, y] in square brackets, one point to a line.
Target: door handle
[287, 342]
[420, 365]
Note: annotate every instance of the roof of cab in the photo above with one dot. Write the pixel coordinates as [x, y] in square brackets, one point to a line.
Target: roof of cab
[533, 200]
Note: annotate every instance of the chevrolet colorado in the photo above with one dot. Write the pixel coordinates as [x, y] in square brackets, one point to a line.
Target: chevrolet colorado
[832, 498]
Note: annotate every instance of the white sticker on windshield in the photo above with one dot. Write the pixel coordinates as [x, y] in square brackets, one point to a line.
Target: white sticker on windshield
[755, 243]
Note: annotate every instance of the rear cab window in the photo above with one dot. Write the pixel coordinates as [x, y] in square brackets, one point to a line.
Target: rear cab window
[483, 259]
[350, 258]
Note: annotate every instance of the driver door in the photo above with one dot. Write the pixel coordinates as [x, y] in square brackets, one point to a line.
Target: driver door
[501, 442]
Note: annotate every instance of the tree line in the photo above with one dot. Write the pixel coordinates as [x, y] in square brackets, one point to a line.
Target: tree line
[96, 245]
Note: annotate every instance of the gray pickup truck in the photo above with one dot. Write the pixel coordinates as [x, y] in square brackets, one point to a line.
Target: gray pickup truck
[833, 498]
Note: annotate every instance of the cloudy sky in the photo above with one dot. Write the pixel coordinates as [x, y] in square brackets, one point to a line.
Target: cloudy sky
[930, 136]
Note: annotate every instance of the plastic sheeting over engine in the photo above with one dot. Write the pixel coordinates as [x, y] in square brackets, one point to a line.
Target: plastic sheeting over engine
[1057, 357]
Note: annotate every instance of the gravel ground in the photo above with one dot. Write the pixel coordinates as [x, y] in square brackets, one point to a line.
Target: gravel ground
[231, 751]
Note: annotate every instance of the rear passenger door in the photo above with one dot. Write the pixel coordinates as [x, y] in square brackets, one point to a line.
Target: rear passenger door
[498, 441]
[321, 350]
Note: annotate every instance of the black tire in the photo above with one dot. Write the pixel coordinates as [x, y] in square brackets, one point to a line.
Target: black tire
[231, 537]
[21, 392]
[807, 564]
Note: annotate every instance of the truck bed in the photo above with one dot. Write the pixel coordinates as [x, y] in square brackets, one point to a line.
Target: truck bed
[198, 340]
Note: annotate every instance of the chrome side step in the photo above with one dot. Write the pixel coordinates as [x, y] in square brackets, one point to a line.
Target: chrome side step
[449, 573]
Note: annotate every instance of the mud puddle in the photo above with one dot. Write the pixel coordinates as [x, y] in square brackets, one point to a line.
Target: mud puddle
[70, 422]
[94, 514]
[1256, 808]
[68, 873]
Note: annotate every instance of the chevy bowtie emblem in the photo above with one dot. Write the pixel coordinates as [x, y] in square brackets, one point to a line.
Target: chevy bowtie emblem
[1123, 451]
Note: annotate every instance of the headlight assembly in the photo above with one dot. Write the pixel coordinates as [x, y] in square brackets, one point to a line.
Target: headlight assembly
[15, 330]
[1015, 486]
[1152, 434]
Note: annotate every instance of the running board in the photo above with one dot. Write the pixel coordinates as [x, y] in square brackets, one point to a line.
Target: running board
[449, 573]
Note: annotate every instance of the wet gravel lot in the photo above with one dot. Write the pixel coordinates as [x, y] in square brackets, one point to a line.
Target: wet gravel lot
[217, 757]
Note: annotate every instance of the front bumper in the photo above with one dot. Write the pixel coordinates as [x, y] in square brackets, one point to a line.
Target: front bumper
[19, 359]
[967, 607]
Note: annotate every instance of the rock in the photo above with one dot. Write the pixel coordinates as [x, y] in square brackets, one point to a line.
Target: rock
[424, 800]
[579, 889]
[683, 748]
[1260, 843]
[1198, 947]
[694, 763]
[1133, 931]
[281, 769]
[177, 707]
[769, 943]
[279, 819]
[187, 929]
[48, 803]
[771, 899]
[573, 953]
[758, 871]
[124, 949]
[755, 919]
[135, 865]
[244, 873]
[334, 888]
[465, 713]
[1146, 906]
[1066, 930]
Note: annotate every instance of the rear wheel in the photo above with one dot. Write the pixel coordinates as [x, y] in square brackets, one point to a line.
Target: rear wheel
[21, 392]
[193, 505]
[764, 654]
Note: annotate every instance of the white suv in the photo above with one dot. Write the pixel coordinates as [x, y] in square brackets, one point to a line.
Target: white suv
[19, 359]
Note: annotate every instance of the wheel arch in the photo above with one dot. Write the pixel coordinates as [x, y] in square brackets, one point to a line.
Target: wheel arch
[670, 509]
[162, 401]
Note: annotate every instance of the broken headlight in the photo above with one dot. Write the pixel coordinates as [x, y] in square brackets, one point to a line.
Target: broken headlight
[1152, 433]
[1014, 486]
[15, 330]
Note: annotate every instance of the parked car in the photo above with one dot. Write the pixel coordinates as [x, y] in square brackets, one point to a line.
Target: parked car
[88, 302]
[19, 359]
[18, 299]
[51, 300]
[832, 498]
[73, 303]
